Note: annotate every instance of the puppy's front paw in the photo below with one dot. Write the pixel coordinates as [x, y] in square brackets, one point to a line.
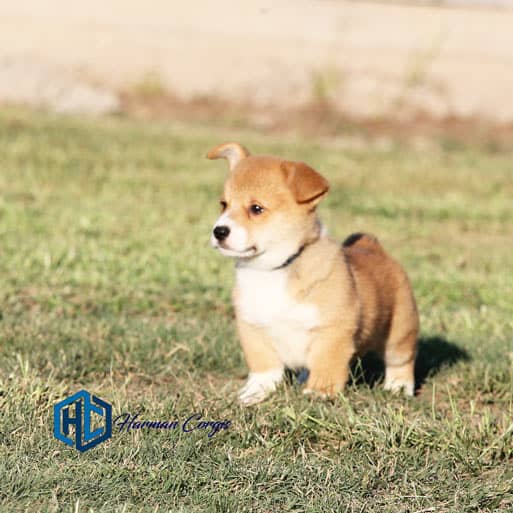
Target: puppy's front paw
[324, 385]
[311, 391]
[259, 385]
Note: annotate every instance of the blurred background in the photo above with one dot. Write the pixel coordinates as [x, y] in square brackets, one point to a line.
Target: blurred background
[312, 65]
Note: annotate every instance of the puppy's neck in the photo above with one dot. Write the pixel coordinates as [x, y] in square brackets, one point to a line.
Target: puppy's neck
[282, 255]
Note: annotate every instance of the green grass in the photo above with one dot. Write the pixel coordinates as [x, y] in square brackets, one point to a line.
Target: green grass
[108, 283]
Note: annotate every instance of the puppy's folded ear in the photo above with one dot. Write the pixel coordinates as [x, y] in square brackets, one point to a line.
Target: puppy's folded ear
[233, 152]
[306, 184]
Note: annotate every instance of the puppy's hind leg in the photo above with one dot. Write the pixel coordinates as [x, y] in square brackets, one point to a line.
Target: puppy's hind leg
[401, 347]
[399, 356]
[400, 377]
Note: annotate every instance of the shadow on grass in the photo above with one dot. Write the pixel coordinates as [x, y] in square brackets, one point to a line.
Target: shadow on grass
[434, 354]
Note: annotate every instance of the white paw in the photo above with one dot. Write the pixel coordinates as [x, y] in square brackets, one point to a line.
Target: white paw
[310, 391]
[259, 385]
[395, 386]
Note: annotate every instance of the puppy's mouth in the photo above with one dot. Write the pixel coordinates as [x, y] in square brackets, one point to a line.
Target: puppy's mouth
[246, 253]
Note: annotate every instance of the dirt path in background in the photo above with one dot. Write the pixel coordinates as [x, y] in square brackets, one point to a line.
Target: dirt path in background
[368, 59]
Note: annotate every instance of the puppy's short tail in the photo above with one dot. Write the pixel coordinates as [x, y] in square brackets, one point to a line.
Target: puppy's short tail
[363, 241]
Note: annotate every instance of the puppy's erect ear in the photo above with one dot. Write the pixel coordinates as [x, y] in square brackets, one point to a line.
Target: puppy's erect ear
[307, 185]
[233, 152]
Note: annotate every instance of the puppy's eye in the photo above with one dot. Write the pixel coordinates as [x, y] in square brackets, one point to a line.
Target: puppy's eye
[256, 210]
[223, 205]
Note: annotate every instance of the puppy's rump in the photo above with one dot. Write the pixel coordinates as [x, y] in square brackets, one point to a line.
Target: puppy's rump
[362, 240]
[389, 313]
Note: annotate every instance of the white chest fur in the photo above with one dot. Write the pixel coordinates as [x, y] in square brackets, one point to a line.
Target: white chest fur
[264, 300]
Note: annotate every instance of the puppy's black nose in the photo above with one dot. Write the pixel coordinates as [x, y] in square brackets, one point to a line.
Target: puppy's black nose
[221, 232]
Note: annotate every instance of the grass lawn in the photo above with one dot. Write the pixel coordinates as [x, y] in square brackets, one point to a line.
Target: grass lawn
[108, 283]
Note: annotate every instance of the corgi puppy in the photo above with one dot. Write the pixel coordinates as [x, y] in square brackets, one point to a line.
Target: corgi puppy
[302, 300]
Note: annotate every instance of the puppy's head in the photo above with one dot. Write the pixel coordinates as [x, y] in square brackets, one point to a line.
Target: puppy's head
[267, 207]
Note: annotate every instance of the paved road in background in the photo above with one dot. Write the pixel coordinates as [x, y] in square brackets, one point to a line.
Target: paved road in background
[370, 58]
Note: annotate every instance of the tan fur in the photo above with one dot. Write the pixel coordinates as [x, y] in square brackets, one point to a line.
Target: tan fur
[233, 152]
[257, 346]
[362, 297]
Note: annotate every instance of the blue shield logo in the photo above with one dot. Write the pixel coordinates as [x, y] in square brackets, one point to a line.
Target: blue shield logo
[90, 416]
